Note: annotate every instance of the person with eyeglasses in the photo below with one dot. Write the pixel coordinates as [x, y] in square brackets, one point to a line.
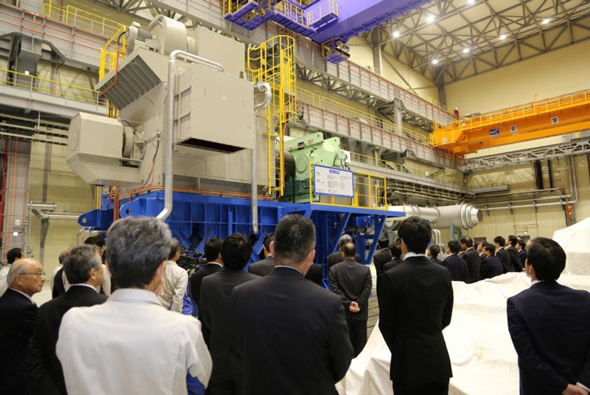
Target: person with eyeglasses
[18, 317]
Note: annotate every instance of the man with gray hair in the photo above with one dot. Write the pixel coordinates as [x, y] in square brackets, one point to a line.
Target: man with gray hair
[336, 256]
[57, 287]
[83, 266]
[140, 347]
[304, 346]
[175, 280]
[18, 314]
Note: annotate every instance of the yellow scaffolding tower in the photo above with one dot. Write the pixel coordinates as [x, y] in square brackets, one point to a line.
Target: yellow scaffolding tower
[274, 62]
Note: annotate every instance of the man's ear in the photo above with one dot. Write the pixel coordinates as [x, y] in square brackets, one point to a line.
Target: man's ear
[271, 247]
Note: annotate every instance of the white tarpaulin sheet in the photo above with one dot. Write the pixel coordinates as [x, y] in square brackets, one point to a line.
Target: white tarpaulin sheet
[482, 355]
[575, 240]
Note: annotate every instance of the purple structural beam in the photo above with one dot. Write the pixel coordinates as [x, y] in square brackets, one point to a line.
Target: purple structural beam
[358, 16]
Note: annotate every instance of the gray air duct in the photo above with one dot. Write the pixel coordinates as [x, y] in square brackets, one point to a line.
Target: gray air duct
[464, 215]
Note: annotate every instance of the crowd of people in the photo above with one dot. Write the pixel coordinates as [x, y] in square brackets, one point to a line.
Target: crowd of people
[122, 317]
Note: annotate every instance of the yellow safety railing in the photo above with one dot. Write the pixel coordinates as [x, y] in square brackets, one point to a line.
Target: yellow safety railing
[274, 62]
[437, 103]
[291, 11]
[34, 83]
[326, 8]
[111, 55]
[81, 19]
[370, 191]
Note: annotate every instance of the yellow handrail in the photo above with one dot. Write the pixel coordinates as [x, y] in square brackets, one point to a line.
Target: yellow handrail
[37, 84]
[81, 18]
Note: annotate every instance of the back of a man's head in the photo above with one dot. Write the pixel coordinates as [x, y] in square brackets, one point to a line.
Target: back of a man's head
[416, 233]
[490, 248]
[547, 258]
[79, 262]
[467, 241]
[395, 249]
[212, 249]
[349, 250]
[174, 248]
[236, 251]
[454, 246]
[62, 256]
[96, 241]
[434, 250]
[13, 255]
[513, 240]
[267, 240]
[383, 241]
[345, 238]
[294, 239]
[137, 247]
[500, 241]
[521, 244]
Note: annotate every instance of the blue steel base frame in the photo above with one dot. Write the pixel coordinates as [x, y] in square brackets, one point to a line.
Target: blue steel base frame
[196, 218]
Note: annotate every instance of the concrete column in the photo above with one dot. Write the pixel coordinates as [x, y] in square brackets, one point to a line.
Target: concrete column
[398, 114]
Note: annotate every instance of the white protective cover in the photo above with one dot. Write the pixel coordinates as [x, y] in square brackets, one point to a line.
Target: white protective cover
[481, 351]
[574, 240]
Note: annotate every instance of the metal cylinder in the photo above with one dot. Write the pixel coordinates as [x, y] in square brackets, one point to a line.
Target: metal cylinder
[463, 215]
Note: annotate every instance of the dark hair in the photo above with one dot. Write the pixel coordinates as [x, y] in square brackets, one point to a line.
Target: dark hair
[467, 241]
[13, 255]
[174, 248]
[235, 251]
[484, 244]
[267, 240]
[434, 250]
[475, 246]
[345, 238]
[96, 241]
[212, 249]
[416, 233]
[137, 247]
[522, 244]
[396, 250]
[500, 240]
[547, 258]
[349, 250]
[383, 242]
[80, 261]
[513, 240]
[490, 248]
[294, 238]
[454, 246]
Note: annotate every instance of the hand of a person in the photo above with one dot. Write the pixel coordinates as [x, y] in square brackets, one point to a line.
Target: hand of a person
[354, 307]
[574, 390]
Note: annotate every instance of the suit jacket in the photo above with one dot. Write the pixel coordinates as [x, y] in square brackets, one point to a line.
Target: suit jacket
[505, 259]
[18, 316]
[197, 278]
[457, 267]
[263, 268]
[415, 305]
[514, 258]
[291, 334]
[58, 284]
[550, 329]
[353, 282]
[473, 264]
[522, 255]
[491, 267]
[216, 311]
[45, 372]
[436, 260]
[380, 259]
[392, 263]
[315, 273]
[336, 257]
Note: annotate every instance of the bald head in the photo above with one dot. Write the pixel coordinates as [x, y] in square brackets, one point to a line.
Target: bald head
[26, 275]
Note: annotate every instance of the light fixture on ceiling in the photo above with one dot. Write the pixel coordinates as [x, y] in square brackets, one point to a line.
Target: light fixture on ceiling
[470, 1]
[503, 37]
[466, 50]
[434, 61]
[546, 21]
[430, 18]
[395, 34]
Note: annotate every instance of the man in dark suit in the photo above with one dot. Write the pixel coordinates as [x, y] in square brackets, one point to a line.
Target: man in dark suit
[216, 310]
[396, 253]
[18, 315]
[432, 253]
[382, 256]
[504, 255]
[291, 334]
[471, 257]
[550, 327]
[415, 305]
[491, 266]
[315, 274]
[352, 281]
[267, 265]
[514, 258]
[522, 254]
[456, 266]
[83, 268]
[336, 256]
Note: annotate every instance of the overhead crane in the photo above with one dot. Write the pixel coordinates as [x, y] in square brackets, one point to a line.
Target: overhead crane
[550, 117]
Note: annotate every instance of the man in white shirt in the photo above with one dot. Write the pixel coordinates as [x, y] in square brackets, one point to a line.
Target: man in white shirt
[11, 256]
[175, 281]
[139, 346]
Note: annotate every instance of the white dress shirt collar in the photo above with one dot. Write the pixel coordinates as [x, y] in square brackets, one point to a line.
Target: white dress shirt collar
[22, 293]
[413, 254]
[533, 282]
[215, 263]
[134, 294]
[290, 267]
[84, 285]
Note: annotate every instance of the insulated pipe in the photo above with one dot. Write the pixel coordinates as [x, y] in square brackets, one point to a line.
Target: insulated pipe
[43, 206]
[463, 215]
[262, 87]
[42, 215]
[169, 152]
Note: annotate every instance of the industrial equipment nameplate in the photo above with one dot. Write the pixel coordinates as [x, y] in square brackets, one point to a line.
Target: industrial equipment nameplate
[331, 181]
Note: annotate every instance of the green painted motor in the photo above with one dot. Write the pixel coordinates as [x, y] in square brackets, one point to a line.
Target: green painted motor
[311, 148]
